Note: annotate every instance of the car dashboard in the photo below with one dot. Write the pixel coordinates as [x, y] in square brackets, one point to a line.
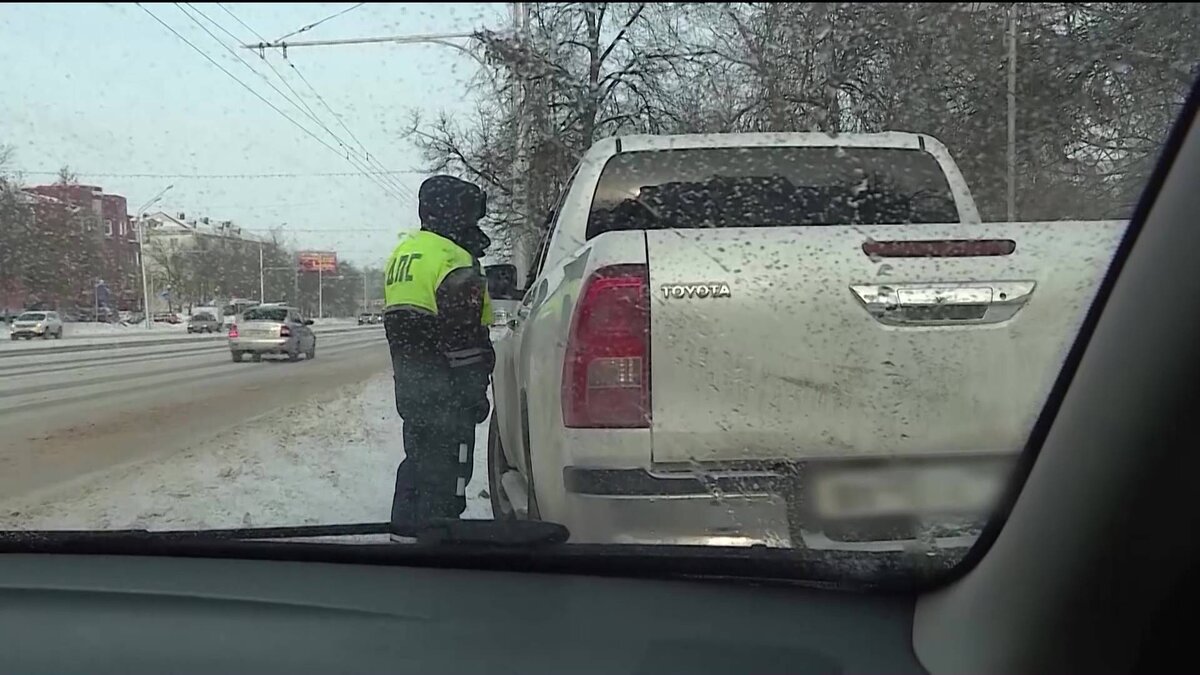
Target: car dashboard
[97, 613]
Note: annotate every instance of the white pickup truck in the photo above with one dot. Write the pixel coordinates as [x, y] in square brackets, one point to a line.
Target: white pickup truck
[794, 340]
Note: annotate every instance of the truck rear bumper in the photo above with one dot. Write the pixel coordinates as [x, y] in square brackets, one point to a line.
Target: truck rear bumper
[732, 508]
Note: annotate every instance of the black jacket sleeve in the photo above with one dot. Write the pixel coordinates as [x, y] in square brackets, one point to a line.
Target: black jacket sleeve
[466, 342]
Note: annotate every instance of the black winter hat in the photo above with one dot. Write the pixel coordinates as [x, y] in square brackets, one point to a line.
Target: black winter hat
[451, 201]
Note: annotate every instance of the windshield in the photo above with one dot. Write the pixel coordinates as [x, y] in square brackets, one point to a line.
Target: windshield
[795, 279]
[265, 314]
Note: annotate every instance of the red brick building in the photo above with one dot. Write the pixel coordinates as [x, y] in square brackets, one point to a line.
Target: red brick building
[119, 246]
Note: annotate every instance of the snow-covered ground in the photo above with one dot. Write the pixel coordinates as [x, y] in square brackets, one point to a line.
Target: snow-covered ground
[89, 334]
[101, 329]
[161, 329]
[316, 463]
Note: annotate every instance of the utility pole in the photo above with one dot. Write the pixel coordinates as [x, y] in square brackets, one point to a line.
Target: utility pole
[262, 285]
[141, 226]
[520, 172]
[366, 307]
[1012, 112]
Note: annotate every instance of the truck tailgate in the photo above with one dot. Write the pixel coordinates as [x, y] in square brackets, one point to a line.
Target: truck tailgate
[787, 343]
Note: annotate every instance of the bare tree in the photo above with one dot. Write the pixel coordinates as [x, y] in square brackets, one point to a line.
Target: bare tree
[1098, 84]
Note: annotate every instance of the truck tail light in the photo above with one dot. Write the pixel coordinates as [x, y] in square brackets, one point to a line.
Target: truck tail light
[284, 331]
[606, 370]
[233, 332]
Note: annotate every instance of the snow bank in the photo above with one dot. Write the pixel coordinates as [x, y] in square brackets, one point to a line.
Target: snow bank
[94, 334]
[335, 322]
[101, 329]
[316, 463]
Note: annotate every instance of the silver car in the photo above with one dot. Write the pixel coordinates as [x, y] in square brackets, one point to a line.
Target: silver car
[43, 325]
[272, 329]
[203, 322]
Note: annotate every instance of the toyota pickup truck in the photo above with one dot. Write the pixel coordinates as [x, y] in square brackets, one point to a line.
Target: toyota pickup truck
[790, 340]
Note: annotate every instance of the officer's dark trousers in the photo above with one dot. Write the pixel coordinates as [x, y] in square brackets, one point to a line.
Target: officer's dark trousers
[439, 443]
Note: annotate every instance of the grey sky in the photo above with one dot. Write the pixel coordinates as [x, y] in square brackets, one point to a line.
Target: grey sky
[106, 89]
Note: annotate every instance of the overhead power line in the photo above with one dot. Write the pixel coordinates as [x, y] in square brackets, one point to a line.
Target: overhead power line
[298, 103]
[314, 24]
[324, 103]
[377, 167]
[244, 25]
[248, 88]
[401, 192]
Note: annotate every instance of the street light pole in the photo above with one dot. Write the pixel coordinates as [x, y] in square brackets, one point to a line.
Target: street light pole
[141, 226]
[320, 292]
[262, 285]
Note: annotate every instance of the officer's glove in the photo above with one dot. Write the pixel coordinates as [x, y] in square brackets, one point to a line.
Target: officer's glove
[470, 375]
[481, 408]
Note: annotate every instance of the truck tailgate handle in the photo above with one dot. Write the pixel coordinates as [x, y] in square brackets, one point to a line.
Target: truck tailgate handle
[943, 304]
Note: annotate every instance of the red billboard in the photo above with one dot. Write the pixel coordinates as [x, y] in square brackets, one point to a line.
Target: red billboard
[317, 261]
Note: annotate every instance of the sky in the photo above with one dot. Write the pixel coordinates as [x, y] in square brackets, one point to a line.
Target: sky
[109, 91]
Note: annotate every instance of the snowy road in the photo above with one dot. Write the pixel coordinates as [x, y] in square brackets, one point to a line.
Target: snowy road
[96, 334]
[325, 460]
[97, 410]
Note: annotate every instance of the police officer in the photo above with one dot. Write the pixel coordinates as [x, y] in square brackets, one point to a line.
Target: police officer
[437, 323]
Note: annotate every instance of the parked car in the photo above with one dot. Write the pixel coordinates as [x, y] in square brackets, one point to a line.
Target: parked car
[272, 329]
[166, 317]
[760, 339]
[203, 322]
[45, 325]
[212, 310]
[91, 315]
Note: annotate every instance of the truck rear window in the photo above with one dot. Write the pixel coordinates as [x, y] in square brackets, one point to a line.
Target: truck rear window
[770, 187]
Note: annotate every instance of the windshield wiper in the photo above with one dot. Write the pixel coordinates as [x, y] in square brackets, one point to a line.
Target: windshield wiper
[489, 532]
[438, 532]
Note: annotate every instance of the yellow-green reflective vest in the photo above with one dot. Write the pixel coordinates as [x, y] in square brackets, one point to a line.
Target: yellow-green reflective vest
[417, 268]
